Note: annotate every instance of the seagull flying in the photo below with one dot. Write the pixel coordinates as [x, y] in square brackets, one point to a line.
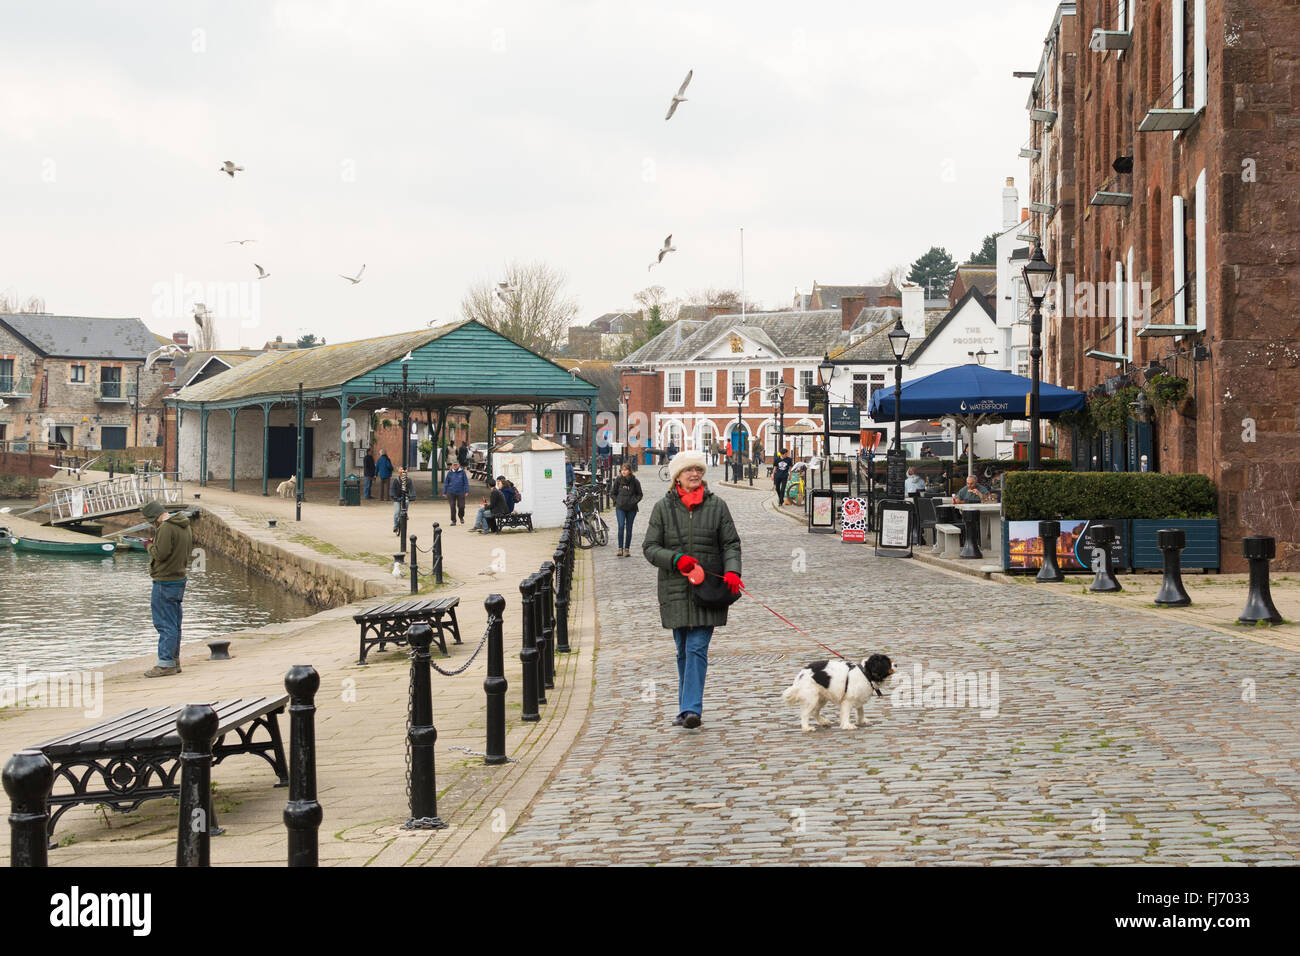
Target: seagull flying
[668, 247]
[677, 98]
[166, 350]
[261, 273]
[231, 242]
[503, 288]
[354, 279]
[407, 357]
[230, 168]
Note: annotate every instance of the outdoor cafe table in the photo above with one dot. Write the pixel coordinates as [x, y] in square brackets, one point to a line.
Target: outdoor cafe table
[990, 525]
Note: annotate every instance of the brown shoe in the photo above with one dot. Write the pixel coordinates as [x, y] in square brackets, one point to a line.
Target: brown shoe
[157, 671]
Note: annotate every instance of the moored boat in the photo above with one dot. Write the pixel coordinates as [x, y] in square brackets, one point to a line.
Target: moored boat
[93, 548]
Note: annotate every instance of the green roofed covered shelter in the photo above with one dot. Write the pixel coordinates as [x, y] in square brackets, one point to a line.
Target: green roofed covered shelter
[323, 398]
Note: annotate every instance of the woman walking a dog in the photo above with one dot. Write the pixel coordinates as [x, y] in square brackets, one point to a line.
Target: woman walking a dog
[690, 532]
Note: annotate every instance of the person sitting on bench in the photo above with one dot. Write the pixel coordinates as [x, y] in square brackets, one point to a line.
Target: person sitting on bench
[496, 507]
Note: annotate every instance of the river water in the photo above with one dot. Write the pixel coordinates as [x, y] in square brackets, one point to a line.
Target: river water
[64, 613]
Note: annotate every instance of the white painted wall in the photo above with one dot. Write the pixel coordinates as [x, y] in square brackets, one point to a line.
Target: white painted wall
[543, 493]
[248, 442]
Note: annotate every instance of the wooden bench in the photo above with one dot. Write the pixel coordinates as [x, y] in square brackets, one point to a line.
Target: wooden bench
[387, 623]
[134, 757]
[516, 519]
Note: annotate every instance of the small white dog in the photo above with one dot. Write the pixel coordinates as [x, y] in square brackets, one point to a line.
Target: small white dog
[837, 682]
[287, 487]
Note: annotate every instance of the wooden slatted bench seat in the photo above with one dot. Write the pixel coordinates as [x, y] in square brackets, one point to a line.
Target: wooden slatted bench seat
[516, 519]
[387, 623]
[134, 757]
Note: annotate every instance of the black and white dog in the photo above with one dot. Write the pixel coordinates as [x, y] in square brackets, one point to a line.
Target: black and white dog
[837, 682]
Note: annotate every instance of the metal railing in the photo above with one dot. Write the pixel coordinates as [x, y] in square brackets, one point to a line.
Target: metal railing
[9, 385]
[114, 496]
[115, 391]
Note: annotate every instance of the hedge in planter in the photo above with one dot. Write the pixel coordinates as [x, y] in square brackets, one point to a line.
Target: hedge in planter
[1039, 496]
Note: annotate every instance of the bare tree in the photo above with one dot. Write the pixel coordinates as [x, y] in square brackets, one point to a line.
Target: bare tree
[728, 299]
[528, 306]
[12, 305]
[898, 273]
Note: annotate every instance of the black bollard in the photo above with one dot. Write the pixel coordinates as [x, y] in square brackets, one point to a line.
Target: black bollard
[561, 602]
[1258, 551]
[437, 554]
[415, 570]
[547, 601]
[197, 726]
[494, 685]
[1171, 542]
[401, 526]
[1100, 536]
[1050, 572]
[302, 814]
[28, 779]
[539, 636]
[421, 735]
[528, 653]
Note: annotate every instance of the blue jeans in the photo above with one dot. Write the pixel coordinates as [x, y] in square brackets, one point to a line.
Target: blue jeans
[480, 519]
[165, 603]
[369, 481]
[625, 519]
[692, 665]
[397, 511]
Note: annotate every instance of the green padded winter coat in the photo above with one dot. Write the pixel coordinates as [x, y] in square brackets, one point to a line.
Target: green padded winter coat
[705, 533]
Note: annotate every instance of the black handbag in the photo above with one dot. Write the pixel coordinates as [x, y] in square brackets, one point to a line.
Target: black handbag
[711, 593]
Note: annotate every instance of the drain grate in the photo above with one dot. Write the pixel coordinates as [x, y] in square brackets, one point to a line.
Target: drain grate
[748, 659]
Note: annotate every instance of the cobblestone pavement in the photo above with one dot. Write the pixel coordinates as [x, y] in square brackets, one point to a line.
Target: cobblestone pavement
[1117, 738]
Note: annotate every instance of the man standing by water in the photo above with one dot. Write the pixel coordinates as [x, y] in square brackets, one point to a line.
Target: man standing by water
[169, 560]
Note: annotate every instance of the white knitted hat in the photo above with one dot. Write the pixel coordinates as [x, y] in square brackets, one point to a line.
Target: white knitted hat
[683, 460]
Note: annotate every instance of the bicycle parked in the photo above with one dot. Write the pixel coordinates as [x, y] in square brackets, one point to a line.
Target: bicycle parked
[590, 526]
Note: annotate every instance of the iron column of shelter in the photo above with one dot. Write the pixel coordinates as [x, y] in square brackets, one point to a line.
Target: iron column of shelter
[406, 395]
[627, 415]
[1038, 275]
[896, 458]
[302, 814]
[298, 471]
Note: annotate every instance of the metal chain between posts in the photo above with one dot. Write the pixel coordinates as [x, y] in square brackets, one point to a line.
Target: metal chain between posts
[462, 668]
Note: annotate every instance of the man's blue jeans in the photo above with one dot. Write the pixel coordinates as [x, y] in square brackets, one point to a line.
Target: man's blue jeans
[692, 665]
[369, 481]
[625, 519]
[165, 604]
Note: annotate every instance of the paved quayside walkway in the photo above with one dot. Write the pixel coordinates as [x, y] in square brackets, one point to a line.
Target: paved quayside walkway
[1118, 737]
[361, 711]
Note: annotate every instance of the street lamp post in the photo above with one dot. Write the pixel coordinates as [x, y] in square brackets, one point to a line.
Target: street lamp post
[739, 461]
[627, 414]
[826, 372]
[896, 458]
[1038, 275]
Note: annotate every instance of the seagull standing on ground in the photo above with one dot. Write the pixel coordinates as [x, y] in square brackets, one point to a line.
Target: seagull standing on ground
[677, 97]
[357, 278]
[261, 273]
[230, 168]
[668, 247]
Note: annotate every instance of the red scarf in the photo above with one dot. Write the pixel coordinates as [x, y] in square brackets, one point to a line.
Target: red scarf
[690, 498]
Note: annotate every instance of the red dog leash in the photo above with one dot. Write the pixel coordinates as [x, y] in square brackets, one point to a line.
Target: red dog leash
[786, 620]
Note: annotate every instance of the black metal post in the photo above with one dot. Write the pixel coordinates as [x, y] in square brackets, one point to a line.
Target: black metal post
[302, 814]
[437, 554]
[1050, 572]
[494, 685]
[197, 726]
[421, 735]
[1258, 551]
[401, 524]
[1100, 537]
[415, 570]
[561, 598]
[546, 601]
[1035, 361]
[1171, 542]
[528, 653]
[28, 779]
[298, 474]
[539, 633]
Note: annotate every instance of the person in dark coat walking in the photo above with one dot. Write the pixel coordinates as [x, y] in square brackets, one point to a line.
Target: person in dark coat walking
[626, 492]
[691, 526]
[383, 471]
[462, 455]
[781, 474]
[455, 485]
[368, 470]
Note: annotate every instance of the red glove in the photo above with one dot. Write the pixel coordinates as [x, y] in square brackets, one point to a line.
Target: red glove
[685, 563]
[733, 582]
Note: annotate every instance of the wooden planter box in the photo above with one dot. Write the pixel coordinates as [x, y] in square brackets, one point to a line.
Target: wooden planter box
[1202, 551]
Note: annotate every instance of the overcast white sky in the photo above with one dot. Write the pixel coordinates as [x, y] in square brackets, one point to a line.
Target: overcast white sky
[435, 141]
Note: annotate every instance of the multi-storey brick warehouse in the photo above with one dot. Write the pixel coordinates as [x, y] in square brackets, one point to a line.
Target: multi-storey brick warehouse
[1187, 245]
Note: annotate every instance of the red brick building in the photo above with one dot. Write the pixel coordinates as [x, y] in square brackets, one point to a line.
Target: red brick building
[1186, 242]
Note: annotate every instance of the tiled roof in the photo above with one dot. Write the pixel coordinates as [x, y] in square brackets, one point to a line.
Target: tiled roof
[875, 347]
[666, 341]
[196, 361]
[828, 296]
[74, 336]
